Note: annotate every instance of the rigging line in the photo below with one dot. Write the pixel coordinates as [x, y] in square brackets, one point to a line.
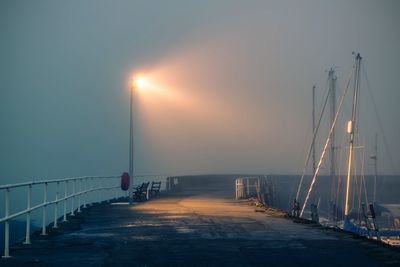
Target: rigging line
[313, 142]
[357, 190]
[325, 147]
[309, 126]
[359, 183]
[325, 94]
[385, 143]
[357, 178]
[362, 173]
[292, 191]
[363, 177]
[304, 143]
[316, 130]
[343, 163]
[339, 181]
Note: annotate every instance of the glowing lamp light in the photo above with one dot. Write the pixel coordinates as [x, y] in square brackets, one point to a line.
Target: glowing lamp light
[140, 83]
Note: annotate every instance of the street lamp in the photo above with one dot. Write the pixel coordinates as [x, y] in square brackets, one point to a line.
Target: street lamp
[136, 83]
[133, 86]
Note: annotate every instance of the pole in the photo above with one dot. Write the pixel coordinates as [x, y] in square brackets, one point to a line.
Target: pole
[56, 206]
[313, 126]
[332, 85]
[28, 216]
[85, 194]
[73, 198]
[7, 226]
[351, 130]
[131, 146]
[80, 194]
[375, 158]
[65, 201]
[44, 214]
[333, 113]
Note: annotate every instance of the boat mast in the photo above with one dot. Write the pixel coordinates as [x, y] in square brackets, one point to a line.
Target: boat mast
[351, 125]
[375, 158]
[313, 126]
[332, 89]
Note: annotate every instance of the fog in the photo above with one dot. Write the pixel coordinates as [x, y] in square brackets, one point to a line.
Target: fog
[230, 84]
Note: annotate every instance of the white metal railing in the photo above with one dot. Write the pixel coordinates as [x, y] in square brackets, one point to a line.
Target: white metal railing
[76, 189]
[246, 187]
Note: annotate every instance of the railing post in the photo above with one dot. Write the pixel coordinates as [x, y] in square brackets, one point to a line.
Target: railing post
[7, 226]
[92, 188]
[116, 193]
[99, 186]
[56, 206]
[65, 200]
[236, 189]
[79, 196]
[108, 194]
[85, 194]
[248, 187]
[44, 209]
[73, 198]
[28, 216]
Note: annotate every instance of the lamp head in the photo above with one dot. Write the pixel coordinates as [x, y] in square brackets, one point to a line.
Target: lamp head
[139, 82]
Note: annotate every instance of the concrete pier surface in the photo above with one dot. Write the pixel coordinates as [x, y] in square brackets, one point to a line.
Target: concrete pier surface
[196, 230]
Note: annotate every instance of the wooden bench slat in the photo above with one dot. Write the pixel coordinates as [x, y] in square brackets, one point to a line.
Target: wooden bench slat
[155, 188]
[140, 192]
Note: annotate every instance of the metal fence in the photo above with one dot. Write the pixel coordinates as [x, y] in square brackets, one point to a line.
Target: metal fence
[78, 191]
[246, 187]
[259, 187]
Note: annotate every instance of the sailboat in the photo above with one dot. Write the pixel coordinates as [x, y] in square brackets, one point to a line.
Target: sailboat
[370, 229]
[367, 226]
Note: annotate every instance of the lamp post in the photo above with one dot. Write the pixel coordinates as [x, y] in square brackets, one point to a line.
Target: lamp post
[137, 83]
[131, 155]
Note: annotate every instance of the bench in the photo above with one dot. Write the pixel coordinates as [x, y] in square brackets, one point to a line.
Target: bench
[140, 193]
[155, 189]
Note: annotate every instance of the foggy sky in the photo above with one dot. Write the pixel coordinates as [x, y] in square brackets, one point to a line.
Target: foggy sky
[235, 81]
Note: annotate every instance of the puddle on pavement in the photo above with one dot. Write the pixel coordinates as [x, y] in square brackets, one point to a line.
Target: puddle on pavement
[142, 224]
[174, 216]
[92, 235]
[184, 230]
[144, 237]
[122, 203]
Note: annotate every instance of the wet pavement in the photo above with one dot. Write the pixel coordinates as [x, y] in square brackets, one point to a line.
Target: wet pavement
[196, 230]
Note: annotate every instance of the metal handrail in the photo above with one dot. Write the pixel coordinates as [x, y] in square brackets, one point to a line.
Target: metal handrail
[243, 185]
[77, 192]
[54, 181]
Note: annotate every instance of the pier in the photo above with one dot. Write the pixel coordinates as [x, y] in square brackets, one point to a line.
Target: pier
[195, 227]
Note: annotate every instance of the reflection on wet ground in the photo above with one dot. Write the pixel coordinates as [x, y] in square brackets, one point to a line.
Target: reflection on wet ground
[197, 231]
